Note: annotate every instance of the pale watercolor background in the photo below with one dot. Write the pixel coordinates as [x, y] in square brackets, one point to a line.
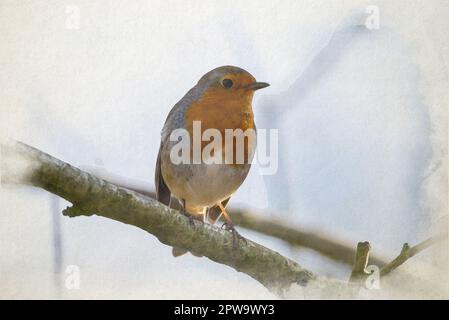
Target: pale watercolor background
[362, 116]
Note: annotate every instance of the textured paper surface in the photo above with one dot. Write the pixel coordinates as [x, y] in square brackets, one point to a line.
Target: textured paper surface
[360, 101]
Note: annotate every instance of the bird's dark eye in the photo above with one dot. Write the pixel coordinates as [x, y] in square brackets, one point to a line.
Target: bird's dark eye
[227, 83]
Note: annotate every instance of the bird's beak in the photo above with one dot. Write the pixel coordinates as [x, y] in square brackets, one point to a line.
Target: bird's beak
[258, 85]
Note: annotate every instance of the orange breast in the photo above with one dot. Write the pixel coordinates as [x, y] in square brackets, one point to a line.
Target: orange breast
[220, 109]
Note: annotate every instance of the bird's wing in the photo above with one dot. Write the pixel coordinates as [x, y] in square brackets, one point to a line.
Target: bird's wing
[175, 120]
[163, 194]
[215, 212]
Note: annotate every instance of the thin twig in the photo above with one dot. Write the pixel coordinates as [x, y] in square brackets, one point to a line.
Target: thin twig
[407, 252]
[361, 261]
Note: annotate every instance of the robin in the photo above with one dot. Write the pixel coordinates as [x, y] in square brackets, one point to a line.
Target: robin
[221, 100]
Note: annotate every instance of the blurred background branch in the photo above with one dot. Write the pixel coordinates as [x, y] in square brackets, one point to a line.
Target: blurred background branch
[408, 252]
[328, 246]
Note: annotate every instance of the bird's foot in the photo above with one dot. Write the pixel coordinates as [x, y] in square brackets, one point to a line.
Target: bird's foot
[192, 223]
[192, 218]
[184, 212]
[236, 236]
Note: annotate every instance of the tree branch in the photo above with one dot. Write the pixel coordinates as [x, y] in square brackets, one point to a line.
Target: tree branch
[407, 252]
[91, 195]
[325, 245]
[361, 261]
[331, 248]
[359, 272]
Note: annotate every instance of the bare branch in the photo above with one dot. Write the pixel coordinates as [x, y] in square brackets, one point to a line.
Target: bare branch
[327, 246]
[407, 252]
[91, 195]
[361, 261]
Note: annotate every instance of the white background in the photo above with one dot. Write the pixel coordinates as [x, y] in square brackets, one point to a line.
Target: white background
[361, 117]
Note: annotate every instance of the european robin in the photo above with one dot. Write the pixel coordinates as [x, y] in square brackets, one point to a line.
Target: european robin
[221, 100]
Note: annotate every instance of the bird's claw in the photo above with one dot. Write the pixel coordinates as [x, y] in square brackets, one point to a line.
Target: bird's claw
[191, 222]
[235, 235]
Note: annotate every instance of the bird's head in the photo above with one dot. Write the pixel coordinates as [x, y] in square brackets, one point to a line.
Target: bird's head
[230, 81]
[226, 100]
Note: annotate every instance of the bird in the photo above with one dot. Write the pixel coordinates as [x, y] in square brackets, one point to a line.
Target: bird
[221, 100]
